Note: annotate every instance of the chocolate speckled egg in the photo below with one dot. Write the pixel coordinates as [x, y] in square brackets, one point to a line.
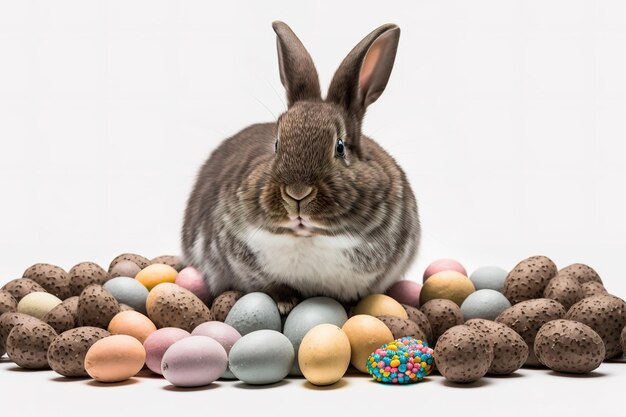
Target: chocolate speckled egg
[138, 260]
[156, 274]
[583, 273]
[157, 344]
[193, 280]
[53, 278]
[569, 346]
[96, 307]
[366, 333]
[28, 342]
[254, 311]
[509, 349]
[564, 289]
[463, 354]
[8, 303]
[128, 291]
[405, 292]
[133, 324]
[37, 304]
[64, 316]
[528, 279]
[527, 317]
[422, 321]
[9, 320]
[442, 315]
[175, 262]
[19, 287]
[484, 304]
[86, 273]
[125, 269]
[66, 354]
[115, 358]
[324, 354]
[194, 361]
[449, 285]
[489, 278]
[169, 305]
[622, 340]
[223, 303]
[401, 328]
[606, 315]
[443, 265]
[591, 288]
[380, 305]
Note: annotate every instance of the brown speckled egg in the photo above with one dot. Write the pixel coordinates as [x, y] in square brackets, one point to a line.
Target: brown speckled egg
[7, 322]
[403, 327]
[175, 262]
[139, 260]
[564, 289]
[591, 288]
[442, 315]
[8, 303]
[125, 307]
[463, 354]
[64, 316]
[509, 349]
[96, 307]
[28, 342]
[66, 354]
[527, 317]
[583, 273]
[569, 346]
[420, 318]
[22, 286]
[86, 273]
[622, 340]
[223, 303]
[528, 279]
[125, 269]
[606, 315]
[170, 305]
[53, 278]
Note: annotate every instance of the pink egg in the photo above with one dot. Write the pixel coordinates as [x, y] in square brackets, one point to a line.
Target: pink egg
[194, 361]
[226, 335]
[158, 342]
[406, 292]
[444, 265]
[191, 279]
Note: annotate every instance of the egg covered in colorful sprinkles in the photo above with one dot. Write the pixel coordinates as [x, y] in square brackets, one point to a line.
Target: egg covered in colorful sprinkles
[403, 361]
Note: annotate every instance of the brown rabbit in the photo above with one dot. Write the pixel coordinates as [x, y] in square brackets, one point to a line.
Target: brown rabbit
[307, 205]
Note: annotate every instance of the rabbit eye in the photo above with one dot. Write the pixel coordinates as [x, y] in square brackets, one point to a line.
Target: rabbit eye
[340, 149]
[276, 146]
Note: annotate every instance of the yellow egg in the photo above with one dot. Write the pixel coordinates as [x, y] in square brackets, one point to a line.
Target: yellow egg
[380, 305]
[37, 304]
[449, 285]
[324, 354]
[115, 358]
[366, 334]
[155, 274]
[132, 323]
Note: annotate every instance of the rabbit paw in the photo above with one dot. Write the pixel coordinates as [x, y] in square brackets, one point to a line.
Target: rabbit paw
[286, 299]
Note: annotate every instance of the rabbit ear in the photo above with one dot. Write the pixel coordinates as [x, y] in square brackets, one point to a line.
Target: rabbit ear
[362, 76]
[297, 71]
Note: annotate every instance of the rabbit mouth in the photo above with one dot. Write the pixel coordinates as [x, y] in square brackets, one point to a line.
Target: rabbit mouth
[302, 226]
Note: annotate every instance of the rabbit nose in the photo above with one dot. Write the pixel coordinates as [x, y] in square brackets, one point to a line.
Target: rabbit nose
[298, 192]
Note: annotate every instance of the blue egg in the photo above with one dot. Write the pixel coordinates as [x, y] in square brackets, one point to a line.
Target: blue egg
[128, 291]
[254, 311]
[484, 304]
[489, 278]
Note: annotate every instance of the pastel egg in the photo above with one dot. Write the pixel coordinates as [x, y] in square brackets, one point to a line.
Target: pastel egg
[484, 304]
[366, 333]
[489, 278]
[193, 280]
[156, 274]
[443, 265]
[125, 269]
[224, 334]
[380, 305]
[261, 357]
[133, 324]
[194, 361]
[324, 354]
[254, 311]
[157, 343]
[128, 291]
[37, 304]
[406, 292]
[115, 358]
[308, 314]
[449, 285]
[169, 305]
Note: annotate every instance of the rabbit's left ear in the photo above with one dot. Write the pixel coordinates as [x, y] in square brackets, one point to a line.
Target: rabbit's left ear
[362, 76]
[297, 71]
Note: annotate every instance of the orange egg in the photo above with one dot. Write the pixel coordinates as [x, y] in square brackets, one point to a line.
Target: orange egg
[115, 358]
[155, 274]
[132, 323]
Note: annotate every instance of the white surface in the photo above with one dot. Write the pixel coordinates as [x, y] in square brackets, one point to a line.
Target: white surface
[508, 117]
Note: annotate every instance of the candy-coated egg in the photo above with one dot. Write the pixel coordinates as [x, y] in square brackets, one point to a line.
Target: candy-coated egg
[115, 358]
[194, 361]
[155, 274]
[192, 279]
[443, 265]
[366, 333]
[157, 344]
[128, 291]
[133, 324]
[380, 305]
[324, 354]
[37, 304]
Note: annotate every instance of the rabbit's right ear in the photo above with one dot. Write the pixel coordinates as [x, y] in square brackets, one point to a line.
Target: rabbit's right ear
[297, 71]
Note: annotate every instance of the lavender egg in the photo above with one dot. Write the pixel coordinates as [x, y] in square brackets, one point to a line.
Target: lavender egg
[194, 361]
[406, 292]
[224, 334]
[157, 343]
[191, 279]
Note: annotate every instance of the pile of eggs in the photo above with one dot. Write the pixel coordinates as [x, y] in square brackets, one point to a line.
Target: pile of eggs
[158, 314]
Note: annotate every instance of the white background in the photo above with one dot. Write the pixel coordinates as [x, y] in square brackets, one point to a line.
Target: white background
[508, 117]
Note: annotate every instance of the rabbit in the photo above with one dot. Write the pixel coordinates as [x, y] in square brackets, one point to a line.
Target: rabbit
[308, 205]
